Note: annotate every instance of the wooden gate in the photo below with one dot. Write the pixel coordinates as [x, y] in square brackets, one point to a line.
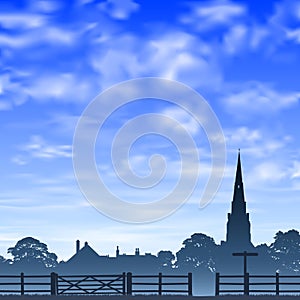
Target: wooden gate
[91, 284]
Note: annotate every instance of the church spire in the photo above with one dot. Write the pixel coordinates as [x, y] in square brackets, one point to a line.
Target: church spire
[238, 225]
[238, 195]
[238, 175]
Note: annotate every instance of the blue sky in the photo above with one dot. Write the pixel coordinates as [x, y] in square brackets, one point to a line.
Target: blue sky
[56, 56]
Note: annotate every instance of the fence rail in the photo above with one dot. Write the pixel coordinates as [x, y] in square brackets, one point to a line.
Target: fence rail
[277, 284]
[112, 284]
[134, 282]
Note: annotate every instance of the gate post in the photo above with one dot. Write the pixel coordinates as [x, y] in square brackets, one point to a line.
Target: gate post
[246, 284]
[129, 283]
[217, 288]
[124, 283]
[277, 284]
[22, 284]
[190, 284]
[53, 284]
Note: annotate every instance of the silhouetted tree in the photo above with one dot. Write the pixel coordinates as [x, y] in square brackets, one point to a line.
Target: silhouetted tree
[286, 250]
[198, 253]
[2, 260]
[264, 262]
[4, 265]
[165, 259]
[32, 251]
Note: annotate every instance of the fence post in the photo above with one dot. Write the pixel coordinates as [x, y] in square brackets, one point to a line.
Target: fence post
[217, 288]
[53, 284]
[124, 283]
[246, 284]
[159, 284]
[22, 283]
[190, 284]
[277, 284]
[129, 283]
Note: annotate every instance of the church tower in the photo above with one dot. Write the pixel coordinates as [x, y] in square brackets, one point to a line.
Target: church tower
[238, 236]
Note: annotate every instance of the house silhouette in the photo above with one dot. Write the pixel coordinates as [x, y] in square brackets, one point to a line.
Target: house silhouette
[87, 260]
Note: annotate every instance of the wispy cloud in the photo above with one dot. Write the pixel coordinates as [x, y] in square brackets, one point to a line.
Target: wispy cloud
[210, 14]
[257, 143]
[66, 87]
[295, 171]
[37, 147]
[119, 9]
[175, 55]
[258, 98]
[22, 20]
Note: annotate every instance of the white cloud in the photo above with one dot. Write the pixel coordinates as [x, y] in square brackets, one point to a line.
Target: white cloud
[17, 88]
[45, 6]
[243, 135]
[24, 20]
[37, 147]
[295, 171]
[209, 14]
[19, 160]
[66, 87]
[258, 98]
[174, 55]
[185, 119]
[258, 35]
[235, 39]
[285, 20]
[256, 143]
[119, 9]
[11, 90]
[267, 172]
[44, 34]
[293, 34]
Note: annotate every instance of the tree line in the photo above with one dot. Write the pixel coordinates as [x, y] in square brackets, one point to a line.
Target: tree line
[199, 253]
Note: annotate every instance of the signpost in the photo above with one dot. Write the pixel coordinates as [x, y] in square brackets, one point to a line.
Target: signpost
[245, 254]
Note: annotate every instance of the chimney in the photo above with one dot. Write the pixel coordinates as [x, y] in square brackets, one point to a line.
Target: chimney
[85, 244]
[137, 251]
[117, 251]
[77, 246]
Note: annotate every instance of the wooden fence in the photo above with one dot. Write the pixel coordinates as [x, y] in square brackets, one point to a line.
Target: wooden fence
[161, 284]
[267, 284]
[121, 284]
[16, 284]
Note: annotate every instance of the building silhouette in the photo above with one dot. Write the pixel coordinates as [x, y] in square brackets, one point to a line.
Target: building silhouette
[238, 236]
[87, 260]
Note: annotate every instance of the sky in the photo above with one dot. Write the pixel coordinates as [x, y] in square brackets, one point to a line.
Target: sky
[242, 57]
